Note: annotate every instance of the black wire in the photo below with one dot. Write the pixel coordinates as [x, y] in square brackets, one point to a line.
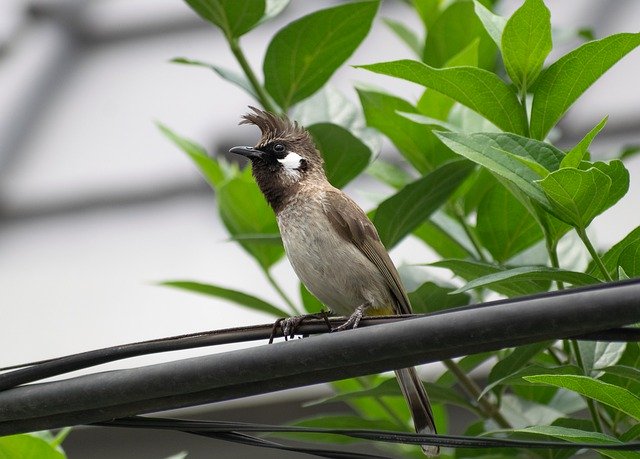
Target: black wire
[36, 371]
[452, 441]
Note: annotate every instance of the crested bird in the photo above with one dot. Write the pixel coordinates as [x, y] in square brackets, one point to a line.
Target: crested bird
[331, 244]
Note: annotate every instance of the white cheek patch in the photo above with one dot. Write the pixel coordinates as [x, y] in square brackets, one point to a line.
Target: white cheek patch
[291, 163]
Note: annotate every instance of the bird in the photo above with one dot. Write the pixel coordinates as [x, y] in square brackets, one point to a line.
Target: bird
[330, 242]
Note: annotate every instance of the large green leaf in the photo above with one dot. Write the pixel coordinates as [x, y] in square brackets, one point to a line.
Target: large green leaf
[526, 42]
[515, 377]
[244, 210]
[560, 85]
[415, 141]
[470, 270]
[497, 152]
[391, 174]
[596, 355]
[305, 53]
[400, 214]
[345, 156]
[235, 296]
[209, 167]
[518, 358]
[576, 196]
[619, 176]
[26, 446]
[452, 31]
[311, 304]
[478, 89]
[430, 297]
[233, 17]
[504, 226]
[581, 436]
[629, 260]
[528, 273]
[614, 396]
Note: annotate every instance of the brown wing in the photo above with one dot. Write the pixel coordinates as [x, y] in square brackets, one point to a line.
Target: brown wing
[352, 224]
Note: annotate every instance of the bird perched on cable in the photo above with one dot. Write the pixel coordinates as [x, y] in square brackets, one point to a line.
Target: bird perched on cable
[333, 247]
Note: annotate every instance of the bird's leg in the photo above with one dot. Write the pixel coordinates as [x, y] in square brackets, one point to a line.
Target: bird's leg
[289, 325]
[354, 319]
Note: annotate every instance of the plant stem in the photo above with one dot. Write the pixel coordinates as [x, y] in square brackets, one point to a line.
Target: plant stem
[281, 292]
[263, 97]
[523, 102]
[471, 235]
[489, 409]
[592, 251]
[593, 409]
[552, 250]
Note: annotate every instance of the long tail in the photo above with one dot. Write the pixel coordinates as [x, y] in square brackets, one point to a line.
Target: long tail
[418, 401]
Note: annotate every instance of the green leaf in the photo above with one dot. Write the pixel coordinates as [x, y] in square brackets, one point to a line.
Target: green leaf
[400, 214]
[311, 304]
[304, 54]
[26, 446]
[404, 33]
[390, 174]
[492, 151]
[331, 106]
[577, 153]
[428, 10]
[580, 436]
[623, 371]
[231, 76]
[526, 42]
[631, 434]
[629, 261]
[614, 396]
[504, 226]
[452, 31]
[515, 377]
[209, 167]
[597, 355]
[629, 151]
[478, 89]
[273, 8]
[445, 236]
[560, 85]
[575, 196]
[470, 270]
[234, 296]
[619, 176]
[493, 24]
[233, 17]
[518, 358]
[529, 273]
[611, 257]
[416, 142]
[244, 210]
[345, 156]
[430, 297]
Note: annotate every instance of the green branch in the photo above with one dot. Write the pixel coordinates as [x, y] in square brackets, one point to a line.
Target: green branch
[263, 97]
[594, 254]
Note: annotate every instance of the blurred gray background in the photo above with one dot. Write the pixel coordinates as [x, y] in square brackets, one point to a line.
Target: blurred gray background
[96, 206]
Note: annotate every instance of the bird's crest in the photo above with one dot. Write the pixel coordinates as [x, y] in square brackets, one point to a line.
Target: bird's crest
[275, 127]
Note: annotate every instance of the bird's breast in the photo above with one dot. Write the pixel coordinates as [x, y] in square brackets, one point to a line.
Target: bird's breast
[332, 268]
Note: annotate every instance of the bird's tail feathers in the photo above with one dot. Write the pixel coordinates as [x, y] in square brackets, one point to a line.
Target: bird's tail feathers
[418, 401]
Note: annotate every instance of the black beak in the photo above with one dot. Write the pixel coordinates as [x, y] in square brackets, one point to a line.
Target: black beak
[248, 152]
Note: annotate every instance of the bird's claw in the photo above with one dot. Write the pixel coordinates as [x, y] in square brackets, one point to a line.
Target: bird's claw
[354, 319]
[289, 325]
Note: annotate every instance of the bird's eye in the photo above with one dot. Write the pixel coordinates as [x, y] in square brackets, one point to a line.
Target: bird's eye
[279, 148]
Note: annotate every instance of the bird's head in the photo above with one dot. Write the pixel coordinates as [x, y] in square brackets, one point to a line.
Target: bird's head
[285, 156]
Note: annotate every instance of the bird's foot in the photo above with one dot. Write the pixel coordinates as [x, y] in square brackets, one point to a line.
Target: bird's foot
[289, 325]
[354, 319]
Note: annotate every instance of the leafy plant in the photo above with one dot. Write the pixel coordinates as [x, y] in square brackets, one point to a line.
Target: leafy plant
[483, 187]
